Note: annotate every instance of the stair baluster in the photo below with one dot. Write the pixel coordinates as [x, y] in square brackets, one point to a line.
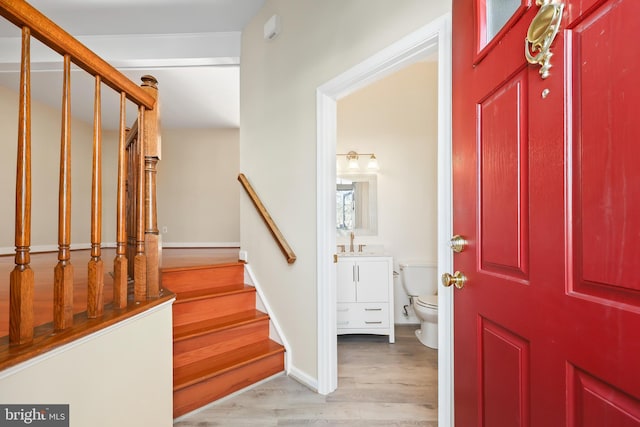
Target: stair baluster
[95, 287]
[63, 275]
[21, 279]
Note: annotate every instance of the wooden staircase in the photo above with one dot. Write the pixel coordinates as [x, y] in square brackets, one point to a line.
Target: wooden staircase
[220, 341]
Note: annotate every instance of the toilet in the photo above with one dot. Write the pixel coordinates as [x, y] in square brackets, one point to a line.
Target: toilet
[420, 282]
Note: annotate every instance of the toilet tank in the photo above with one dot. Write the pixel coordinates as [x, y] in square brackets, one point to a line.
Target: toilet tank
[419, 278]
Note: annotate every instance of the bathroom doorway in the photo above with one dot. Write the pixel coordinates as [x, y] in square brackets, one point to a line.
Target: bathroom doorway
[394, 119]
[434, 38]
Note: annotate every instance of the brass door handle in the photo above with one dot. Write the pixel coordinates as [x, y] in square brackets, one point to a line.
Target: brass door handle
[457, 279]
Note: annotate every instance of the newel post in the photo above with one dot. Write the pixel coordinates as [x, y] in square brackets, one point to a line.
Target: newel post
[152, 147]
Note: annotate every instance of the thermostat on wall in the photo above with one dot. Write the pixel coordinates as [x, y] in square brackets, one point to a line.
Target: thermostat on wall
[272, 28]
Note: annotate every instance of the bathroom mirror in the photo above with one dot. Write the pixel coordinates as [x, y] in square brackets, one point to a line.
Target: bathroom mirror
[356, 205]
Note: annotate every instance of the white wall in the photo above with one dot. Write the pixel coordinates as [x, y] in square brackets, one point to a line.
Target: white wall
[121, 376]
[278, 82]
[198, 189]
[397, 119]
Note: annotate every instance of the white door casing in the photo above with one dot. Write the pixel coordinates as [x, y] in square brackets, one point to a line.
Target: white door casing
[435, 36]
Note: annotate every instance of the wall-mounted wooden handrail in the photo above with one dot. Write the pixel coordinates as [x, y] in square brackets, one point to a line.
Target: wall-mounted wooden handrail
[271, 225]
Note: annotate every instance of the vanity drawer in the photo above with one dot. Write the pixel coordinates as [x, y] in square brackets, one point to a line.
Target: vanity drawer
[362, 315]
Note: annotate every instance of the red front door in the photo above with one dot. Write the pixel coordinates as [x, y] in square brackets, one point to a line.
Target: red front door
[547, 194]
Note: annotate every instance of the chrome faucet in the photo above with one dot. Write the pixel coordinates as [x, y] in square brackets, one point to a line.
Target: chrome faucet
[351, 237]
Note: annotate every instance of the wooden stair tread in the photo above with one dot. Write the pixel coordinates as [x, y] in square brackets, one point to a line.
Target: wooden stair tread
[199, 294]
[201, 370]
[200, 267]
[195, 329]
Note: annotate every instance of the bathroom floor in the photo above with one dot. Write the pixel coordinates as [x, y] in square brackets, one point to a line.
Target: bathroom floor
[379, 384]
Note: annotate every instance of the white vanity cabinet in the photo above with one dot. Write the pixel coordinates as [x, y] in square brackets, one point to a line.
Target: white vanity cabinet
[365, 295]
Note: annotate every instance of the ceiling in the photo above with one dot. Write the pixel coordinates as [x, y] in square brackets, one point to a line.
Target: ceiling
[192, 47]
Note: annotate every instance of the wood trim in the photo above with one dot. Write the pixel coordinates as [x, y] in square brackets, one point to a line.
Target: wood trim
[42, 28]
[271, 225]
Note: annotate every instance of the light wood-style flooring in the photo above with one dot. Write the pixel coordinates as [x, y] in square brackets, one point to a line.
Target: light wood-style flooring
[379, 384]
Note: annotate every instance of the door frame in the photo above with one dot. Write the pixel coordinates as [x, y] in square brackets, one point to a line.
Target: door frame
[435, 35]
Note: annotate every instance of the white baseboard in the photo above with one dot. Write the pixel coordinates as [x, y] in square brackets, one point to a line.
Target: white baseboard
[303, 378]
[200, 244]
[274, 325]
[292, 371]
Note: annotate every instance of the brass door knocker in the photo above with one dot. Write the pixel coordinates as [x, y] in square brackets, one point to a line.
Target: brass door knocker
[542, 32]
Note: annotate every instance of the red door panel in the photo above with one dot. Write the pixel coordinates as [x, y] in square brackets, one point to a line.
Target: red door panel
[504, 377]
[606, 217]
[503, 143]
[593, 403]
[547, 194]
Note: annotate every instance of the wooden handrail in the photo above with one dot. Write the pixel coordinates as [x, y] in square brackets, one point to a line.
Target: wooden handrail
[22, 14]
[271, 225]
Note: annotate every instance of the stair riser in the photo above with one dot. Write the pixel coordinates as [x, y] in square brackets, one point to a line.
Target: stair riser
[200, 394]
[203, 278]
[218, 306]
[218, 342]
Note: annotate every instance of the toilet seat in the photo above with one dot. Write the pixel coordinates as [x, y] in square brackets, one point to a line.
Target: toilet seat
[427, 301]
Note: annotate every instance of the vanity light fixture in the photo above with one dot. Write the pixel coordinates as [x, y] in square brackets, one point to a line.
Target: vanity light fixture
[352, 160]
[353, 163]
[373, 163]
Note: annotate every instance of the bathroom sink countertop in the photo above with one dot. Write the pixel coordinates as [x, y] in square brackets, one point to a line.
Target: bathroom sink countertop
[362, 254]
[364, 250]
